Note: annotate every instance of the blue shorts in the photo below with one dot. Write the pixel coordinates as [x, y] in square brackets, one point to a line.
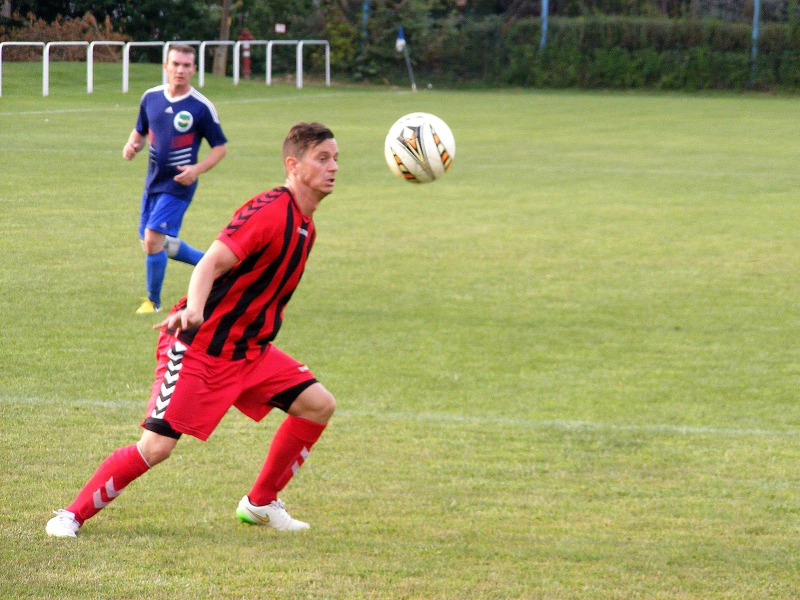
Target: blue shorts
[162, 213]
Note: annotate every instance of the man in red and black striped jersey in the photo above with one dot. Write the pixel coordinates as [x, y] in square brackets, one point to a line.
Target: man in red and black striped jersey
[215, 348]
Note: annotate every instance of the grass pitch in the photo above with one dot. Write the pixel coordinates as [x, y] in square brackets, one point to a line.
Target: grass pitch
[566, 370]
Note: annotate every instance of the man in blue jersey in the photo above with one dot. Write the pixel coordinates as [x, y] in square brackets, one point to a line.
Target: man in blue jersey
[175, 118]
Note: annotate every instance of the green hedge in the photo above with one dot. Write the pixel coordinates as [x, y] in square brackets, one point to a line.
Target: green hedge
[594, 52]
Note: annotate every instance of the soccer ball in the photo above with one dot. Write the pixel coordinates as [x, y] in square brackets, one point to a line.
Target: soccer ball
[419, 147]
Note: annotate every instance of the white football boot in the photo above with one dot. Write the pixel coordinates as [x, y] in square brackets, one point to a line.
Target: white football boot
[63, 524]
[272, 515]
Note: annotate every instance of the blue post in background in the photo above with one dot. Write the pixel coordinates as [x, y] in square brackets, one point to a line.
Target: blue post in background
[754, 51]
[401, 46]
[545, 11]
[364, 18]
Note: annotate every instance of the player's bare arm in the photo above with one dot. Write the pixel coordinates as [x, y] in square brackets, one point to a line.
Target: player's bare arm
[134, 144]
[189, 173]
[218, 259]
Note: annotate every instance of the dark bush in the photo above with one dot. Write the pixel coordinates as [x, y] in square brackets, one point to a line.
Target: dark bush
[602, 52]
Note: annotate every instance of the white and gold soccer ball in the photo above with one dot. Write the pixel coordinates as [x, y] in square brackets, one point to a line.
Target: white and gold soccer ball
[419, 147]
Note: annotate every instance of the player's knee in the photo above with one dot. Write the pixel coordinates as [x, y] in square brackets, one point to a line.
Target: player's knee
[155, 448]
[327, 404]
[315, 404]
[151, 247]
[155, 455]
[153, 242]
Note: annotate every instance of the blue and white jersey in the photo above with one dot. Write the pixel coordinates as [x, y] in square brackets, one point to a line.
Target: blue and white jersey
[175, 128]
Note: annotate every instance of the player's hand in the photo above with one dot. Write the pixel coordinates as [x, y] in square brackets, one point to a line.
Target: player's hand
[188, 174]
[129, 151]
[180, 320]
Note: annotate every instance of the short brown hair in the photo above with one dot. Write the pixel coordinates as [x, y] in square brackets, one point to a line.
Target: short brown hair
[183, 49]
[304, 136]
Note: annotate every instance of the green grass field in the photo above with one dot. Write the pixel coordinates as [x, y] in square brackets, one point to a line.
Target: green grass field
[567, 370]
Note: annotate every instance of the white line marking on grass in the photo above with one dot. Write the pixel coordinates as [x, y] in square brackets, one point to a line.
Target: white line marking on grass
[291, 98]
[62, 150]
[578, 170]
[483, 420]
[286, 98]
[56, 112]
[572, 425]
[113, 402]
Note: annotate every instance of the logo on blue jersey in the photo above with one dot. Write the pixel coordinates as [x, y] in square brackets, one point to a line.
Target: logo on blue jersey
[183, 121]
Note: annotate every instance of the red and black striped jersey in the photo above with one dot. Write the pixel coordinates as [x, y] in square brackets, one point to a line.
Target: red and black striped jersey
[272, 238]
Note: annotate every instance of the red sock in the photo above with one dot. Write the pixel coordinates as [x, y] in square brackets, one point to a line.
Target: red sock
[289, 449]
[112, 476]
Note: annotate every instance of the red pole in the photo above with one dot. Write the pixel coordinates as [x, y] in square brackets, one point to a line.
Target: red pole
[246, 35]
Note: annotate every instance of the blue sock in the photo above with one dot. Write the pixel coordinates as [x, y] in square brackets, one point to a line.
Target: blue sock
[155, 267]
[188, 254]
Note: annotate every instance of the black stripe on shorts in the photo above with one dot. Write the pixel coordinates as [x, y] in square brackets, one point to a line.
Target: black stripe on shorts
[161, 427]
[284, 399]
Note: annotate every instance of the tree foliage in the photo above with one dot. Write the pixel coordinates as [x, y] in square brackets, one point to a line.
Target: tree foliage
[474, 40]
[139, 19]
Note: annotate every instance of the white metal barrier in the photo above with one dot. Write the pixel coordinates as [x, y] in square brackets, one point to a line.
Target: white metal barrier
[46, 62]
[126, 61]
[90, 63]
[201, 64]
[236, 55]
[269, 55]
[300, 47]
[2, 44]
[126, 53]
[298, 61]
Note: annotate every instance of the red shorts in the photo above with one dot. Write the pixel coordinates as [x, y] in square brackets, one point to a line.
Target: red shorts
[193, 391]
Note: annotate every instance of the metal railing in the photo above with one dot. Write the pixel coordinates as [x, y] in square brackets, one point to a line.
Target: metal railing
[126, 51]
[298, 59]
[201, 59]
[90, 63]
[46, 62]
[4, 44]
[126, 60]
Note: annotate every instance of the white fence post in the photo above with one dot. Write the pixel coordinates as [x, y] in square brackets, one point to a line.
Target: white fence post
[40, 44]
[236, 47]
[299, 61]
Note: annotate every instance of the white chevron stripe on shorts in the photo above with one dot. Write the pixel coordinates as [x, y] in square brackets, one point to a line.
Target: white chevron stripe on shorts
[175, 355]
